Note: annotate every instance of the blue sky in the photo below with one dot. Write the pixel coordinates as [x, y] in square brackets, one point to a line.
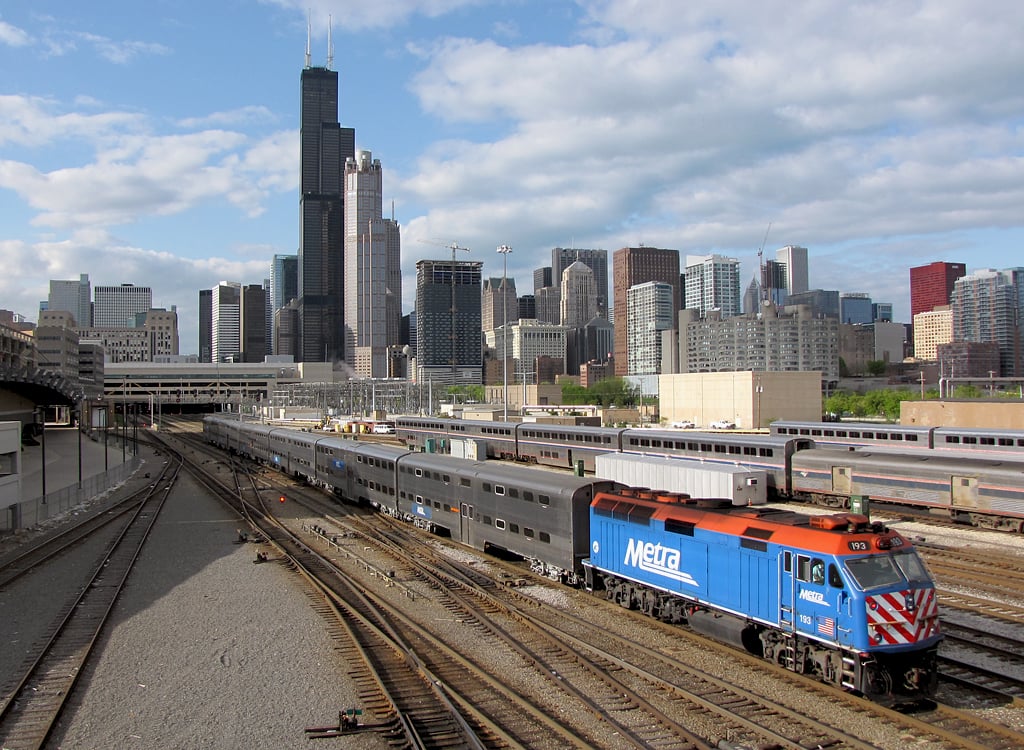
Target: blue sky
[156, 143]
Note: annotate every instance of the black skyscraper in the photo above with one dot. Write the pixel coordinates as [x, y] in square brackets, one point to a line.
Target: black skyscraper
[324, 146]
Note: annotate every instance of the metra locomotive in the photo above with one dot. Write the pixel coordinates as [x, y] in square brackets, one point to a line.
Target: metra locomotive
[835, 597]
[981, 488]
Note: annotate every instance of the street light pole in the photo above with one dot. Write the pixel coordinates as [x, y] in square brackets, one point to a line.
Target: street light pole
[504, 250]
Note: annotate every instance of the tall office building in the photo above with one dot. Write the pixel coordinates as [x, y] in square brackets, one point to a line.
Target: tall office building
[284, 287]
[651, 310]
[225, 318]
[449, 346]
[713, 283]
[794, 259]
[74, 297]
[632, 266]
[823, 303]
[116, 306]
[324, 147]
[542, 278]
[206, 325]
[252, 323]
[499, 299]
[548, 305]
[774, 282]
[988, 306]
[373, 274]
[527, 307]
[931, 286]
[751, 297]
[595, 260]
[579, 295]
[854, 308]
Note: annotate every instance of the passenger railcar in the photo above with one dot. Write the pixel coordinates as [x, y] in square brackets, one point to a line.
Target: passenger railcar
[1001, 442]
[836, 597]
[976, 490]
[562, 446]
[773, 455]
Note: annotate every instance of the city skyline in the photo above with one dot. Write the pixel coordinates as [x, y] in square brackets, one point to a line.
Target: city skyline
[612, 125]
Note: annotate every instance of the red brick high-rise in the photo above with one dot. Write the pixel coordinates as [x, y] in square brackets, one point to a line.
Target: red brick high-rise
[932, 285]
[632, 266]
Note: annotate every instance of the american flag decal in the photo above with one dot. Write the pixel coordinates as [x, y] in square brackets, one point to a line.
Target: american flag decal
[827, 626]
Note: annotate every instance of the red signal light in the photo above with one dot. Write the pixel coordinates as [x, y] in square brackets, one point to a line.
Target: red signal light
[282, 498]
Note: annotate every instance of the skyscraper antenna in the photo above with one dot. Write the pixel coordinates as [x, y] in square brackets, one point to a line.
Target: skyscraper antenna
[330, 43]
[309, 61]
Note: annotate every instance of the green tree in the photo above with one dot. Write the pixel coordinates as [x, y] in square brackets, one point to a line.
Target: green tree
[876, 367]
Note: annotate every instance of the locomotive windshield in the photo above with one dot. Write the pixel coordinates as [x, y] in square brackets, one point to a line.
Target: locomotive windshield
[878, 571]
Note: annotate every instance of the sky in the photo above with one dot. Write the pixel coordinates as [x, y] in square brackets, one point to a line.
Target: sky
[156, 143]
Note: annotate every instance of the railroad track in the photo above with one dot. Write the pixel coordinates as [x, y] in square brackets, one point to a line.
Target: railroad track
[409, 702]
[34, 701]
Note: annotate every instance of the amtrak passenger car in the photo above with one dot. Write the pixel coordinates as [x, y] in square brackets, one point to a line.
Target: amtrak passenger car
[833, 596]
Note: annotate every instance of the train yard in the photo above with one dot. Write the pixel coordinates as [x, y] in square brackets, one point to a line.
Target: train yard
[444, 646]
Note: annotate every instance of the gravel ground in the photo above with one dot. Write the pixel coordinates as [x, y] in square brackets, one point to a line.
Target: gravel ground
[207, 650]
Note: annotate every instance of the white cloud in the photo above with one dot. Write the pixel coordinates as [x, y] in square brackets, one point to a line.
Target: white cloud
[13, 36]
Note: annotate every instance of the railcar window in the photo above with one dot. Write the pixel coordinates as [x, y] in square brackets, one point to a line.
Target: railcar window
[499, 524]
[854, 433]
[437, 476]
[419, 472]
[835, 580]
[545, 537]
[970, 441]
[749, 451]
[527, 496]
[513, 492]
[543, 499]
[817, 571]
[735, 449]
[692, 447]
[787, 561]
[754, 544]
[816, 432]
[655, 443]
[514, 528]
[487, 520]
[437, 505]
[528, 533]
[705, 447]
[499, 490]
[447, 479]
[487, 487]
[391, 465]
[803, 568]
[1005, 441]
[463, 482]
[685, 528]
[840, 433]
[419, 499]
[719, 449]
[868, 435]
[988, 441]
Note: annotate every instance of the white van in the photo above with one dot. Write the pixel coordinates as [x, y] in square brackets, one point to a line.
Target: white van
[384, 428]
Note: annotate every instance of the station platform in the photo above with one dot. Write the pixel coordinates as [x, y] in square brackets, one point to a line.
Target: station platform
[62, 463]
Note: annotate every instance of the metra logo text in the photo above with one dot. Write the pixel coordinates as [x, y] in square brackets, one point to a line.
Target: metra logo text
[656, 559]
[812, 596]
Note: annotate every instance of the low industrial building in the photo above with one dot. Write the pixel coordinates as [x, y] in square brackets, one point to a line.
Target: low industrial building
[748, 399]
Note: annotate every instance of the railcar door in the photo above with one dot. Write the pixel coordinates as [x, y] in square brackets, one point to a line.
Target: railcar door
[786, 593]
[813, 614]
[964, 491]
[465, 522]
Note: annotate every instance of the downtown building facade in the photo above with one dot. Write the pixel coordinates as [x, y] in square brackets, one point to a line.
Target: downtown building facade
[650, 310]
[594, 259]
[578, 297]
[987, 308]
[117, 306]
[632, 266]
[74, 297]
[449, 343]
[793, 260]
[777, 340]
[932, 285]
[713, 283]
[373, 273]
[324, 148]
[499, 299]
[536, 350]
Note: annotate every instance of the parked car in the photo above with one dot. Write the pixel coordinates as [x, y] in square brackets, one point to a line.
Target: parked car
[684, 424]
[723, 424]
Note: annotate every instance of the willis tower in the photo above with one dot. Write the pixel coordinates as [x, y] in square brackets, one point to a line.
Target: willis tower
[323, 148]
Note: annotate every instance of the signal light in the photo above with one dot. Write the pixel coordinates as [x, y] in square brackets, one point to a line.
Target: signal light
[282, 498]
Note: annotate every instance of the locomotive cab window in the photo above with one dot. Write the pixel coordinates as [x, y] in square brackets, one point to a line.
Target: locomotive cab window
[835, 580]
